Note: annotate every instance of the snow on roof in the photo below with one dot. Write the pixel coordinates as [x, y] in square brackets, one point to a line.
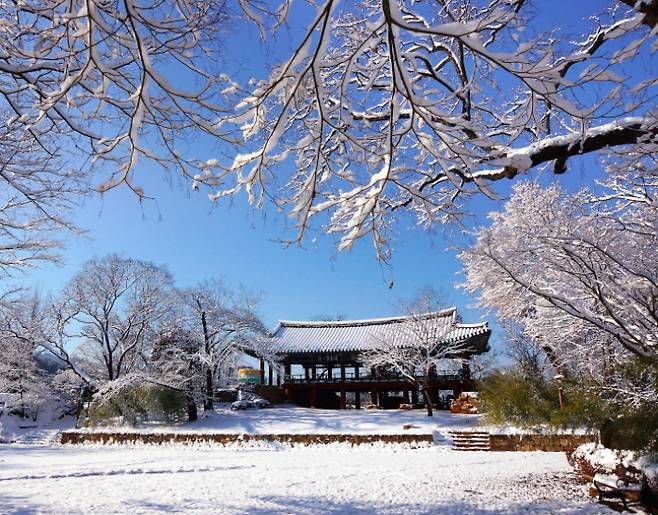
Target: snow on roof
[359, 335]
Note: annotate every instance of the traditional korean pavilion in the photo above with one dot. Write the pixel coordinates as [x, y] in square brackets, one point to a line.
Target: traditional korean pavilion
[322, 367]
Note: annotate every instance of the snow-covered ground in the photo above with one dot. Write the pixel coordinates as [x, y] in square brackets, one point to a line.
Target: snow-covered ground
[271, 478]
[292, 419]
[274, 479]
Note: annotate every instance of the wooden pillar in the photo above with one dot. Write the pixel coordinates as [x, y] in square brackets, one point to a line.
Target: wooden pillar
[262, 371]
[456, 389]
[434, 395]
[357, 400]
[306, 373]
[286, 371]
[466, 370]
[330, 372]
[342, 372]
[405, 396]
[356, 371]
[278, 378]
[270, 374]
[374, 397]
[314, 372]
[343, 399]
[314, 396]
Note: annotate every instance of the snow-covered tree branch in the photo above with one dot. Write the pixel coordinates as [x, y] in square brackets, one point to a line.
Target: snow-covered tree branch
[116, 81]
[37, 193]
[386, 105]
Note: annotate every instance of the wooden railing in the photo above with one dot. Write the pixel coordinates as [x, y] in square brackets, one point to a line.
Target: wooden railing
[351, 378]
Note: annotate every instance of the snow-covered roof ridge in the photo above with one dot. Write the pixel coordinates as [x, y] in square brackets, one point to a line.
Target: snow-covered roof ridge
[366, 321]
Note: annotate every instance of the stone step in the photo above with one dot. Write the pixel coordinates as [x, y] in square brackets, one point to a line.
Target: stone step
[470, 440]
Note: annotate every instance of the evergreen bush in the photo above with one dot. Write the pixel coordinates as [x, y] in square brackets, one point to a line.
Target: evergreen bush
[137, 403]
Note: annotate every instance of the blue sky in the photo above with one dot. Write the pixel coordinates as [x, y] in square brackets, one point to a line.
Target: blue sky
[197, 240]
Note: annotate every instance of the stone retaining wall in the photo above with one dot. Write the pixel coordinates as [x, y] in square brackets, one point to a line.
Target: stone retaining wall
[555, 443]
[80, 437]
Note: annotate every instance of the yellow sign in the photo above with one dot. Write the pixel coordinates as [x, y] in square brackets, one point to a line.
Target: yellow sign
[249, 375]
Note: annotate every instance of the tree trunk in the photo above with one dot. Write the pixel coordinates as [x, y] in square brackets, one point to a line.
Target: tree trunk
[207, 403]
[428, 401]
[605, 433]
[192, 413]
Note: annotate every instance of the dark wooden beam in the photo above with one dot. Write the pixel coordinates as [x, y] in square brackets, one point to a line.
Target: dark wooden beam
[314, 396]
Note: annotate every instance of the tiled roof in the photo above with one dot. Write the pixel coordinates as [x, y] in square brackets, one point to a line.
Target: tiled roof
[358, 335]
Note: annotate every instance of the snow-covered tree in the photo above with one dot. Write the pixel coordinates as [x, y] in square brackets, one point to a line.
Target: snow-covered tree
[394, 105]
[88, 89]
[112, 309]
[418, 348]
[224, 325]
[579, 272]
[24, 386]
[564, 264]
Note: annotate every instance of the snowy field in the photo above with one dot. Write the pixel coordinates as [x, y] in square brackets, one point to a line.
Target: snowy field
[296, 420]
[270, 480]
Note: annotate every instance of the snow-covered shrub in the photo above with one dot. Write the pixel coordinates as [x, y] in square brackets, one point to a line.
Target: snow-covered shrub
[70, 388]
[592, 458]
[131, 400]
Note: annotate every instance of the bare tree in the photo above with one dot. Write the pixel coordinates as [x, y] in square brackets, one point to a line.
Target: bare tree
[390, 105]
[527, 354]
[326, 316]
[416, 348]
[113, 307]
[224, 325]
